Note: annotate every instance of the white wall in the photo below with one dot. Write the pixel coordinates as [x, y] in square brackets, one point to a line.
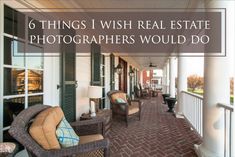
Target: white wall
[83, 76]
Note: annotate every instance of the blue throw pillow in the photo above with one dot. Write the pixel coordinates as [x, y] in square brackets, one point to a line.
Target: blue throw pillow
[66, 135]
[120, 100]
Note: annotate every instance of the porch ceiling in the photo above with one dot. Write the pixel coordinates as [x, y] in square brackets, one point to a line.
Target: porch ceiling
[111, 3]
[145, 61]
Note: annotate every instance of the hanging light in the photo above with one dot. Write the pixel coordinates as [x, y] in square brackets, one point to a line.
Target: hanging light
[119, 69]
[131, 73]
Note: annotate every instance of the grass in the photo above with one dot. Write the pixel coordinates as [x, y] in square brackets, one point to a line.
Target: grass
[196, 91]
[200, 92]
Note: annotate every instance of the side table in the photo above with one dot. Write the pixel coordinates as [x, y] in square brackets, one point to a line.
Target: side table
[105, 115]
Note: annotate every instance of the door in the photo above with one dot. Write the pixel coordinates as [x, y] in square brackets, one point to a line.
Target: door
[112, 72]
[68, 79]
[123, 76]
[131, 81]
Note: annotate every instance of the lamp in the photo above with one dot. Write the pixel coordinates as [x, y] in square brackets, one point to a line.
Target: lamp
[119, 69]
[131, 73]
[94, 93]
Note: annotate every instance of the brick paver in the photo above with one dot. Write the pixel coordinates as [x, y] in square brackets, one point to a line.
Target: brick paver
[158, 134]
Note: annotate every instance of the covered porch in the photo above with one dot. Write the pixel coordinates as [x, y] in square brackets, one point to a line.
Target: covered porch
[202, 125]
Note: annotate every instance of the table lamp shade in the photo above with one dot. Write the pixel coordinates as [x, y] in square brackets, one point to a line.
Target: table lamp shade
[94, 92]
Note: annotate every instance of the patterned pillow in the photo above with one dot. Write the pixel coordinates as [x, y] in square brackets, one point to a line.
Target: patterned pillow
[66, 135]
[120, 100]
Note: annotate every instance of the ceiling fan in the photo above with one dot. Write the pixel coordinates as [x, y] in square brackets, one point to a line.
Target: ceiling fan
[151, 65]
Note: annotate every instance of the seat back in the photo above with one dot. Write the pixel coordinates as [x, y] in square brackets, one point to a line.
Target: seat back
[20, 125]
[112, 95]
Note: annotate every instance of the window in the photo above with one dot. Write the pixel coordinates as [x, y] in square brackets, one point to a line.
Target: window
[148, 73]
[23, 72]
[11, 108]
[14, 22]
[14, 81]
[13, 52]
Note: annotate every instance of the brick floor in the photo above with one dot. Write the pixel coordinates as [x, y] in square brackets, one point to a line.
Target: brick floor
[158, 134]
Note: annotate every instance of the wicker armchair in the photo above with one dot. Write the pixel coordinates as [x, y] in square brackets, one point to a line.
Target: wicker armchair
[19, 131]
[126, 110]
[144, 92]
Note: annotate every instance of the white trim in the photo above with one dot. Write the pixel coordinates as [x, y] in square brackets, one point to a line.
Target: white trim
[35, 94]
[12, 66]
[13, 96]
[6, 128]
[13, 37]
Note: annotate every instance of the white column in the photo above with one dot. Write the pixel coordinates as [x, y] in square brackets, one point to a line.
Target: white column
[233, 118]
[216, 90]
[167, 77]
[164, 79]
[172, 76]
[181, 84]
[233, 121]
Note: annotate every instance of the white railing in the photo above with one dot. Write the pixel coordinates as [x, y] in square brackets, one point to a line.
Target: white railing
[192, 110]
[228, 111]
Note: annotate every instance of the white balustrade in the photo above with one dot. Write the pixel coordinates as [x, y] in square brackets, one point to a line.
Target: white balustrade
[192, 110]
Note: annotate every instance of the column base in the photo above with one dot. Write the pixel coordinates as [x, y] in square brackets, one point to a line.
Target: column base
[203, 152]
[178, 115]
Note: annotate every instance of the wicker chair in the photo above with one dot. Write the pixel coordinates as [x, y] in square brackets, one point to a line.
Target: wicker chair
[19, 131]
[125, 110]
[144, 92]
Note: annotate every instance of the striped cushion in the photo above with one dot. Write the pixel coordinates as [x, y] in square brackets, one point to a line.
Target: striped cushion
[66, 135]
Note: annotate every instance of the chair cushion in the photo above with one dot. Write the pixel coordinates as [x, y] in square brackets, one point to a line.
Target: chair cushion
[90, 138]
[43, 129]
[66, 135]
[133, 109]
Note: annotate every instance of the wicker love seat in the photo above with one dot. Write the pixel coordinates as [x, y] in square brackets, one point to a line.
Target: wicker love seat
[87, 148]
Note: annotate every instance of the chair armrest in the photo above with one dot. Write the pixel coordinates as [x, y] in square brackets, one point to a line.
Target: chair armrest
[79, 149]
[140, 103]
[87, 122]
